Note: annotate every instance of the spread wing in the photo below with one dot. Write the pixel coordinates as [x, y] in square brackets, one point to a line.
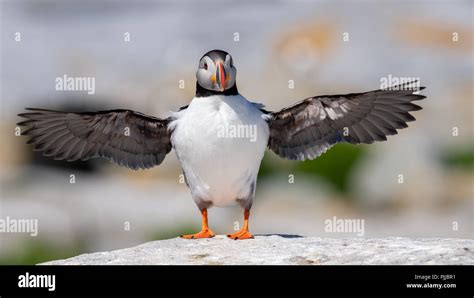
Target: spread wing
[309, 128]
[128, 138]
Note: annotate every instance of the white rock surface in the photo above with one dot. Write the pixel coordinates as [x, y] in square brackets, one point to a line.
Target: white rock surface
[286, 249]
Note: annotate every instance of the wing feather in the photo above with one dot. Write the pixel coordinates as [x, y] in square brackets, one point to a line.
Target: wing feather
[125, 137]
[310, 127]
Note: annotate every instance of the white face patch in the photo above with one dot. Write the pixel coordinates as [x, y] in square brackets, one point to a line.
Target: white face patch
[206, 69]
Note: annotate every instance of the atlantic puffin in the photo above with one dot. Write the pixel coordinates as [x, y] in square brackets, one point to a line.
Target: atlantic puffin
[221, 169]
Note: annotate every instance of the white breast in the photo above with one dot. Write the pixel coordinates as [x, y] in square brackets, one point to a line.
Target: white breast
[220, 142]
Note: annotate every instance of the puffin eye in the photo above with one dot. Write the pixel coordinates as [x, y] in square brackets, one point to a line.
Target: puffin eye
[205, 65]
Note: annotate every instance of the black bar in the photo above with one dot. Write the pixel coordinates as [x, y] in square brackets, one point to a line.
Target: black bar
[136, 281]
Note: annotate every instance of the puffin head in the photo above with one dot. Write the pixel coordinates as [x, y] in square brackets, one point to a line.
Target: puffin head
[216, 73]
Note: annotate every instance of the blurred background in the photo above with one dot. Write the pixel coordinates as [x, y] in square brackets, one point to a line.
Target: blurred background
[272, 42]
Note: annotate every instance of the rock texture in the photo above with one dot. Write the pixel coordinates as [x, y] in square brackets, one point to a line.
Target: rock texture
[286, 249]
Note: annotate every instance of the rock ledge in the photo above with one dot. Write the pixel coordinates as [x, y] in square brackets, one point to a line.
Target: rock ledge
[286, 250]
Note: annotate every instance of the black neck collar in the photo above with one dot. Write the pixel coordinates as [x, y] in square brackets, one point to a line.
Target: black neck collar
[201, 92]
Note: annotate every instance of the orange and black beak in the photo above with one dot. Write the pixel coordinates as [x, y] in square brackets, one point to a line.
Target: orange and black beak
[220, 76]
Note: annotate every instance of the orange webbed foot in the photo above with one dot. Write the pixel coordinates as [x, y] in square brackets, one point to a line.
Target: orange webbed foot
[205, 231]
[241, 235]
[200, 235]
